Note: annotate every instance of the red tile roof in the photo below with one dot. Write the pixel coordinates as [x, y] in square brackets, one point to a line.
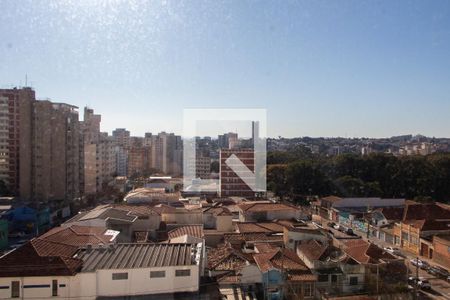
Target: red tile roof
[40, 258]
[226, 258]
[192, 230]
[364, 252]
[140, 210]
[252, 237]
[392, 213]
[77, 235]
[428, 225]
[256, 207]
[426, 211]
[269, 227]
[312, 249]
[217, 211]
[284, 259]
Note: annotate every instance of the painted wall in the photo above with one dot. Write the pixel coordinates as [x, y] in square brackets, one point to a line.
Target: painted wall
[140, 283]
[86, 286]
[224, 223]
[192, 217]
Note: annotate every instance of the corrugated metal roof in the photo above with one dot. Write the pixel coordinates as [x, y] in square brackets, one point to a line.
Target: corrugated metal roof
[128, 256]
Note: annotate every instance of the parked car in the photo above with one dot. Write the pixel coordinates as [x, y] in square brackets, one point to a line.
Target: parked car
[336, 226]
[421, 282]
[349, 231]
[438, 272]
[331, 224]
[420, 263]
[392, 250]
[424, 284]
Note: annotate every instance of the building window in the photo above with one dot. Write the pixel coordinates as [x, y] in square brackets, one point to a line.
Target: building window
[308, 290]
[54, 288]
[157, 274]
[182, 273]
[322, 278]
[414, 240]
[119, 276]
[404, 236]
[353, 280]
[334, 278]
[15, 289]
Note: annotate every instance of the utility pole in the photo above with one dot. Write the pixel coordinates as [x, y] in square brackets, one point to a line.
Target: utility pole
[416, 281]
[378, 277]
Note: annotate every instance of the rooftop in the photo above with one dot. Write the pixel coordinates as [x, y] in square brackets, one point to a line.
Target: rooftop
[227, 258]
[217, 211]
[284, 259]
[40, 258]
[104, 212]
[366, 253]
[143, 255]
[80, 235]
[268, 227]
[426, 211]
[192, 230]
[258, 206]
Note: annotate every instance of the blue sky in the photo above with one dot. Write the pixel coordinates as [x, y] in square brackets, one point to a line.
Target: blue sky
[320, 68]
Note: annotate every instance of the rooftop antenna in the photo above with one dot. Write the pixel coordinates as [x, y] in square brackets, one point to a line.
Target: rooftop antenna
[26, 80]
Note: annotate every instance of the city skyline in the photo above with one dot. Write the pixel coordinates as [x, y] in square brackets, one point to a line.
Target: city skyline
[320, 69]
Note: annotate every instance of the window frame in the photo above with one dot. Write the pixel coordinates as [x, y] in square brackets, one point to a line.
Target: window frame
[158, 272]
[119, 276]
[182, 272]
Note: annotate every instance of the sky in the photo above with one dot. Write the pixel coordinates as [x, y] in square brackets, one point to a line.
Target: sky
[319, 68]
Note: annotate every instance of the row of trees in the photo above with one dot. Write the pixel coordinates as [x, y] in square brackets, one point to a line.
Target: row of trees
[298, 174]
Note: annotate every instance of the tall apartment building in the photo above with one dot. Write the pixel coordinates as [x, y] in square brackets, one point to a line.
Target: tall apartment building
[167, 153]
[137, 160]
[121, 160]
[121, 137]
[99, 157]
[15, 135]
[39, 147]
[202, 167]
[54, 172]
[230, 183]
[228, 140]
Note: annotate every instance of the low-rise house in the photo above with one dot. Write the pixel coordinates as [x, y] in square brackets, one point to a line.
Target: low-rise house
[219, 218]
[179, 215]
[294, 235]
[331, 206]
[187, 234]
[337, 273]
[378, 264]
[233, 267]
[263, 212]
[249, 240]
[441, 246]
[420, 222]
[263, 227]
[126, 219]
[284, 275]
[42, 269]
[80, 235]
[39, 269]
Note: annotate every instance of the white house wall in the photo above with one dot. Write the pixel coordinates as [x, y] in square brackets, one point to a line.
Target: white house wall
[89, 285]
